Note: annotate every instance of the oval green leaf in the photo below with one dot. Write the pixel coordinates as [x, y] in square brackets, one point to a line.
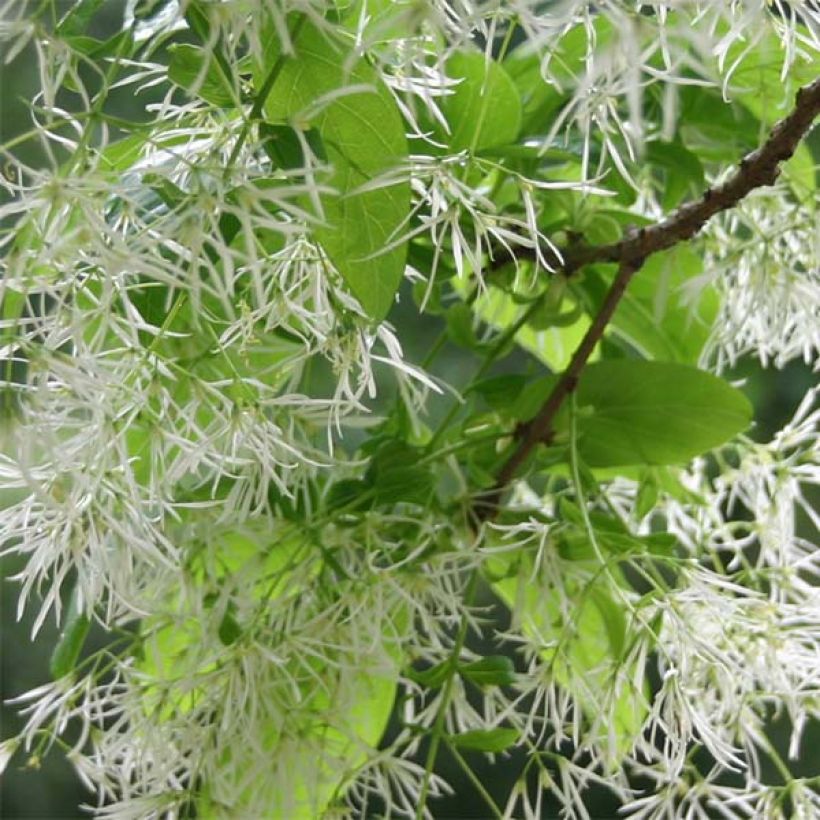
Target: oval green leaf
[485, 109]
[486, 740]
[193, 69]
[363, 135]
[639, 412]
[70, 645]
[495, 670]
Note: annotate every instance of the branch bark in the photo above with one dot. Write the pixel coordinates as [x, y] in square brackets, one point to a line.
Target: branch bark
[756, 170]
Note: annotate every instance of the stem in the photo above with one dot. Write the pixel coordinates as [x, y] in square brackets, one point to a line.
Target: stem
[756, 170]
[262, 96]
[540, 428]
[479, 786]
[437, 732]
[96, 109]
[501, 342]
[434, 350]
[777, 760]
[460, 445]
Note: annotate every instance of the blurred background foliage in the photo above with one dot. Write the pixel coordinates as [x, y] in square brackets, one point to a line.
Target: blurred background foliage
[48, 788]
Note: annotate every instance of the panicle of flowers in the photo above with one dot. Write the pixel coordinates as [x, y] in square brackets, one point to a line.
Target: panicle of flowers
[564, 699]
[393, 784]
[773, 482]
[740, 630]
[622, 50]
[171, 304]
[751, 508]
[730, 636]
[167, 302]
[462, 221]
[245, 653]
[763, 259]
[287, 659]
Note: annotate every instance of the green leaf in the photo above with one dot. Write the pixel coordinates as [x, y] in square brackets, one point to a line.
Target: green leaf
[553, 345]
[574, 544]
[500, 392]
[660, 315]
[486, 740]
[12, 305]
[72, 639]
[123, 153]
[78, 18]
[639, 412]
[432, 677]
[97, 49]
[171, 194]
[363, 135]
[350, 493]
[461, 327]
[195, 70]
[485, 109]
[539, 99]
[196, 15]
[546, 317]
[634, 412]
[714, 130]
[534, 394]
[495, 670]
[282, 145]
[648, 494]
[682, 174]
[229, 630]
[395, 474]
[13, 359]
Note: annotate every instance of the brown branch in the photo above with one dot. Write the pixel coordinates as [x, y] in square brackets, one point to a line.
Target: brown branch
[756, 170]
[539, 429]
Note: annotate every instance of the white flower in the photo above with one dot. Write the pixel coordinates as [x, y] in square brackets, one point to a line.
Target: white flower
[7, 750]
[769, 283]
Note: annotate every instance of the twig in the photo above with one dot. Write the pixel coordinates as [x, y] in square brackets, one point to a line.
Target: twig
[258, 107]
[540, 428]
[756, 170]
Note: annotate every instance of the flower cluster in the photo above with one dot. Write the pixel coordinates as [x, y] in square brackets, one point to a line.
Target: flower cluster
[772, 272]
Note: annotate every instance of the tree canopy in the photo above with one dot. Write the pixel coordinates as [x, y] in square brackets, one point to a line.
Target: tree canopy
[244, 243]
